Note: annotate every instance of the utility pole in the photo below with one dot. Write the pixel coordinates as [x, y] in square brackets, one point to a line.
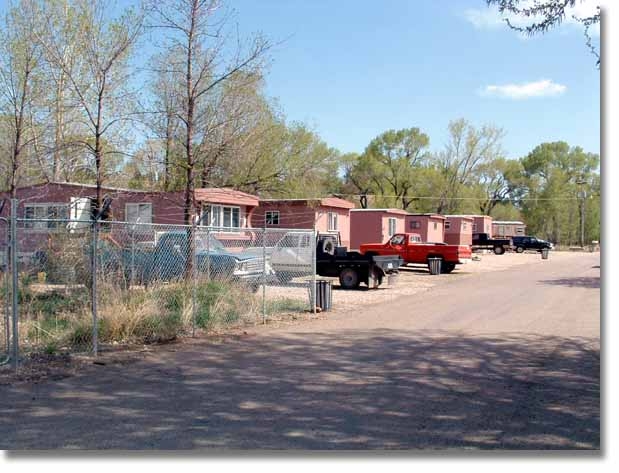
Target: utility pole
[582, 195]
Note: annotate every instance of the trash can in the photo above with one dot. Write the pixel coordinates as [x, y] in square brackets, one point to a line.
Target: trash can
[545, 252]
[323, 290]
[434, 264]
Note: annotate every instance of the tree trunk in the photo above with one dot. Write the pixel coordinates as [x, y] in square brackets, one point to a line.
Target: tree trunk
[98, 148]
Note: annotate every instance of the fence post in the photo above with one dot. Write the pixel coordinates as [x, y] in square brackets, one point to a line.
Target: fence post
[15, 291]
[264, 275]
[208, 256]
[7, 291]
[313, 281]
[132, 282]
[93, 295]
[194, 274]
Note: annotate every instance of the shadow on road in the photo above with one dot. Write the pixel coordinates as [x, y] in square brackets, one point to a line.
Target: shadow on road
[348, 390]
[589, 282]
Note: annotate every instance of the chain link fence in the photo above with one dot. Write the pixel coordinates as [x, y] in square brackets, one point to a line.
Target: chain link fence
[83, 287]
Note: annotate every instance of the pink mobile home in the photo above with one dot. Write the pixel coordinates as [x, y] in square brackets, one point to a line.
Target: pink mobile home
[327, 215]
[429, 226]
[459, 230]
[375, 225]
[64, 200]
[228, 209]
[482, 224]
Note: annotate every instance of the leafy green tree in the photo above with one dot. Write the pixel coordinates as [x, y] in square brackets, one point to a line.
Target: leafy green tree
[555, 174]
[466, 152]
[500, 181]
[388, 167]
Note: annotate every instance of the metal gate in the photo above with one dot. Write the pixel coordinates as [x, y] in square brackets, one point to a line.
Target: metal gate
[5, 292]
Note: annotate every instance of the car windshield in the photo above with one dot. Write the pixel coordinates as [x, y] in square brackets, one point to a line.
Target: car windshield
[208, 242]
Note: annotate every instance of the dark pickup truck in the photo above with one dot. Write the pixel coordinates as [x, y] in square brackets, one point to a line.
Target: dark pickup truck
[522, 243]
[481, 241]
[351, 267]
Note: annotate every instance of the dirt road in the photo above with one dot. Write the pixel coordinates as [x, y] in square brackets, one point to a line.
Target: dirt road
[506, 359]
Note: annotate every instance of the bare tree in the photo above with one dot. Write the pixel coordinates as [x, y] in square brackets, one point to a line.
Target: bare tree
[61, 28]
[20, 58]
[199, 29]
[164, 123]
[98, 74]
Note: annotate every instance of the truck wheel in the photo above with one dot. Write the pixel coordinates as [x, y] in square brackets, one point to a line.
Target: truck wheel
[519, 249]
[447, 268]
[499, 250]
[349, 279]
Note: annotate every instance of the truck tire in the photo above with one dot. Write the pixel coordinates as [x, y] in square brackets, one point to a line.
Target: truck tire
[499, 250]
[447, 268]
[349, 278]
[519, 249]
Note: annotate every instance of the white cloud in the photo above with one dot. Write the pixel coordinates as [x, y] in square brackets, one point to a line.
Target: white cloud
[490, 18]
[540, 88]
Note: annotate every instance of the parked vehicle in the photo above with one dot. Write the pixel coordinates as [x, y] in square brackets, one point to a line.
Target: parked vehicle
[351, 267]
[293, 254]
[481, 241]
[521, 243]
[169, 259]
[413, 251]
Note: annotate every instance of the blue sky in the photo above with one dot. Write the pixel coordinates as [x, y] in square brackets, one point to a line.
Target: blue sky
[353, 69]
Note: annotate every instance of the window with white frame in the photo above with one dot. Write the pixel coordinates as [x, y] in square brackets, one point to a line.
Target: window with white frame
[463, 225]
[415, 224]
[332, 216]
[520, 231]
[51, 216]
[474, 228]
[392, 224]
[222, 216]
[435, 226]
[447, 224]
[271, 217]
[139, 212]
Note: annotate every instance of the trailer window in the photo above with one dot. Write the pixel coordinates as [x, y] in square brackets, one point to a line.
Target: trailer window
[392, 223]
[332, 216]
[271, 217]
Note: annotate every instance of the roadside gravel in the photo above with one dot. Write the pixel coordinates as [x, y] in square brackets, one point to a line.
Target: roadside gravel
[416, 278]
